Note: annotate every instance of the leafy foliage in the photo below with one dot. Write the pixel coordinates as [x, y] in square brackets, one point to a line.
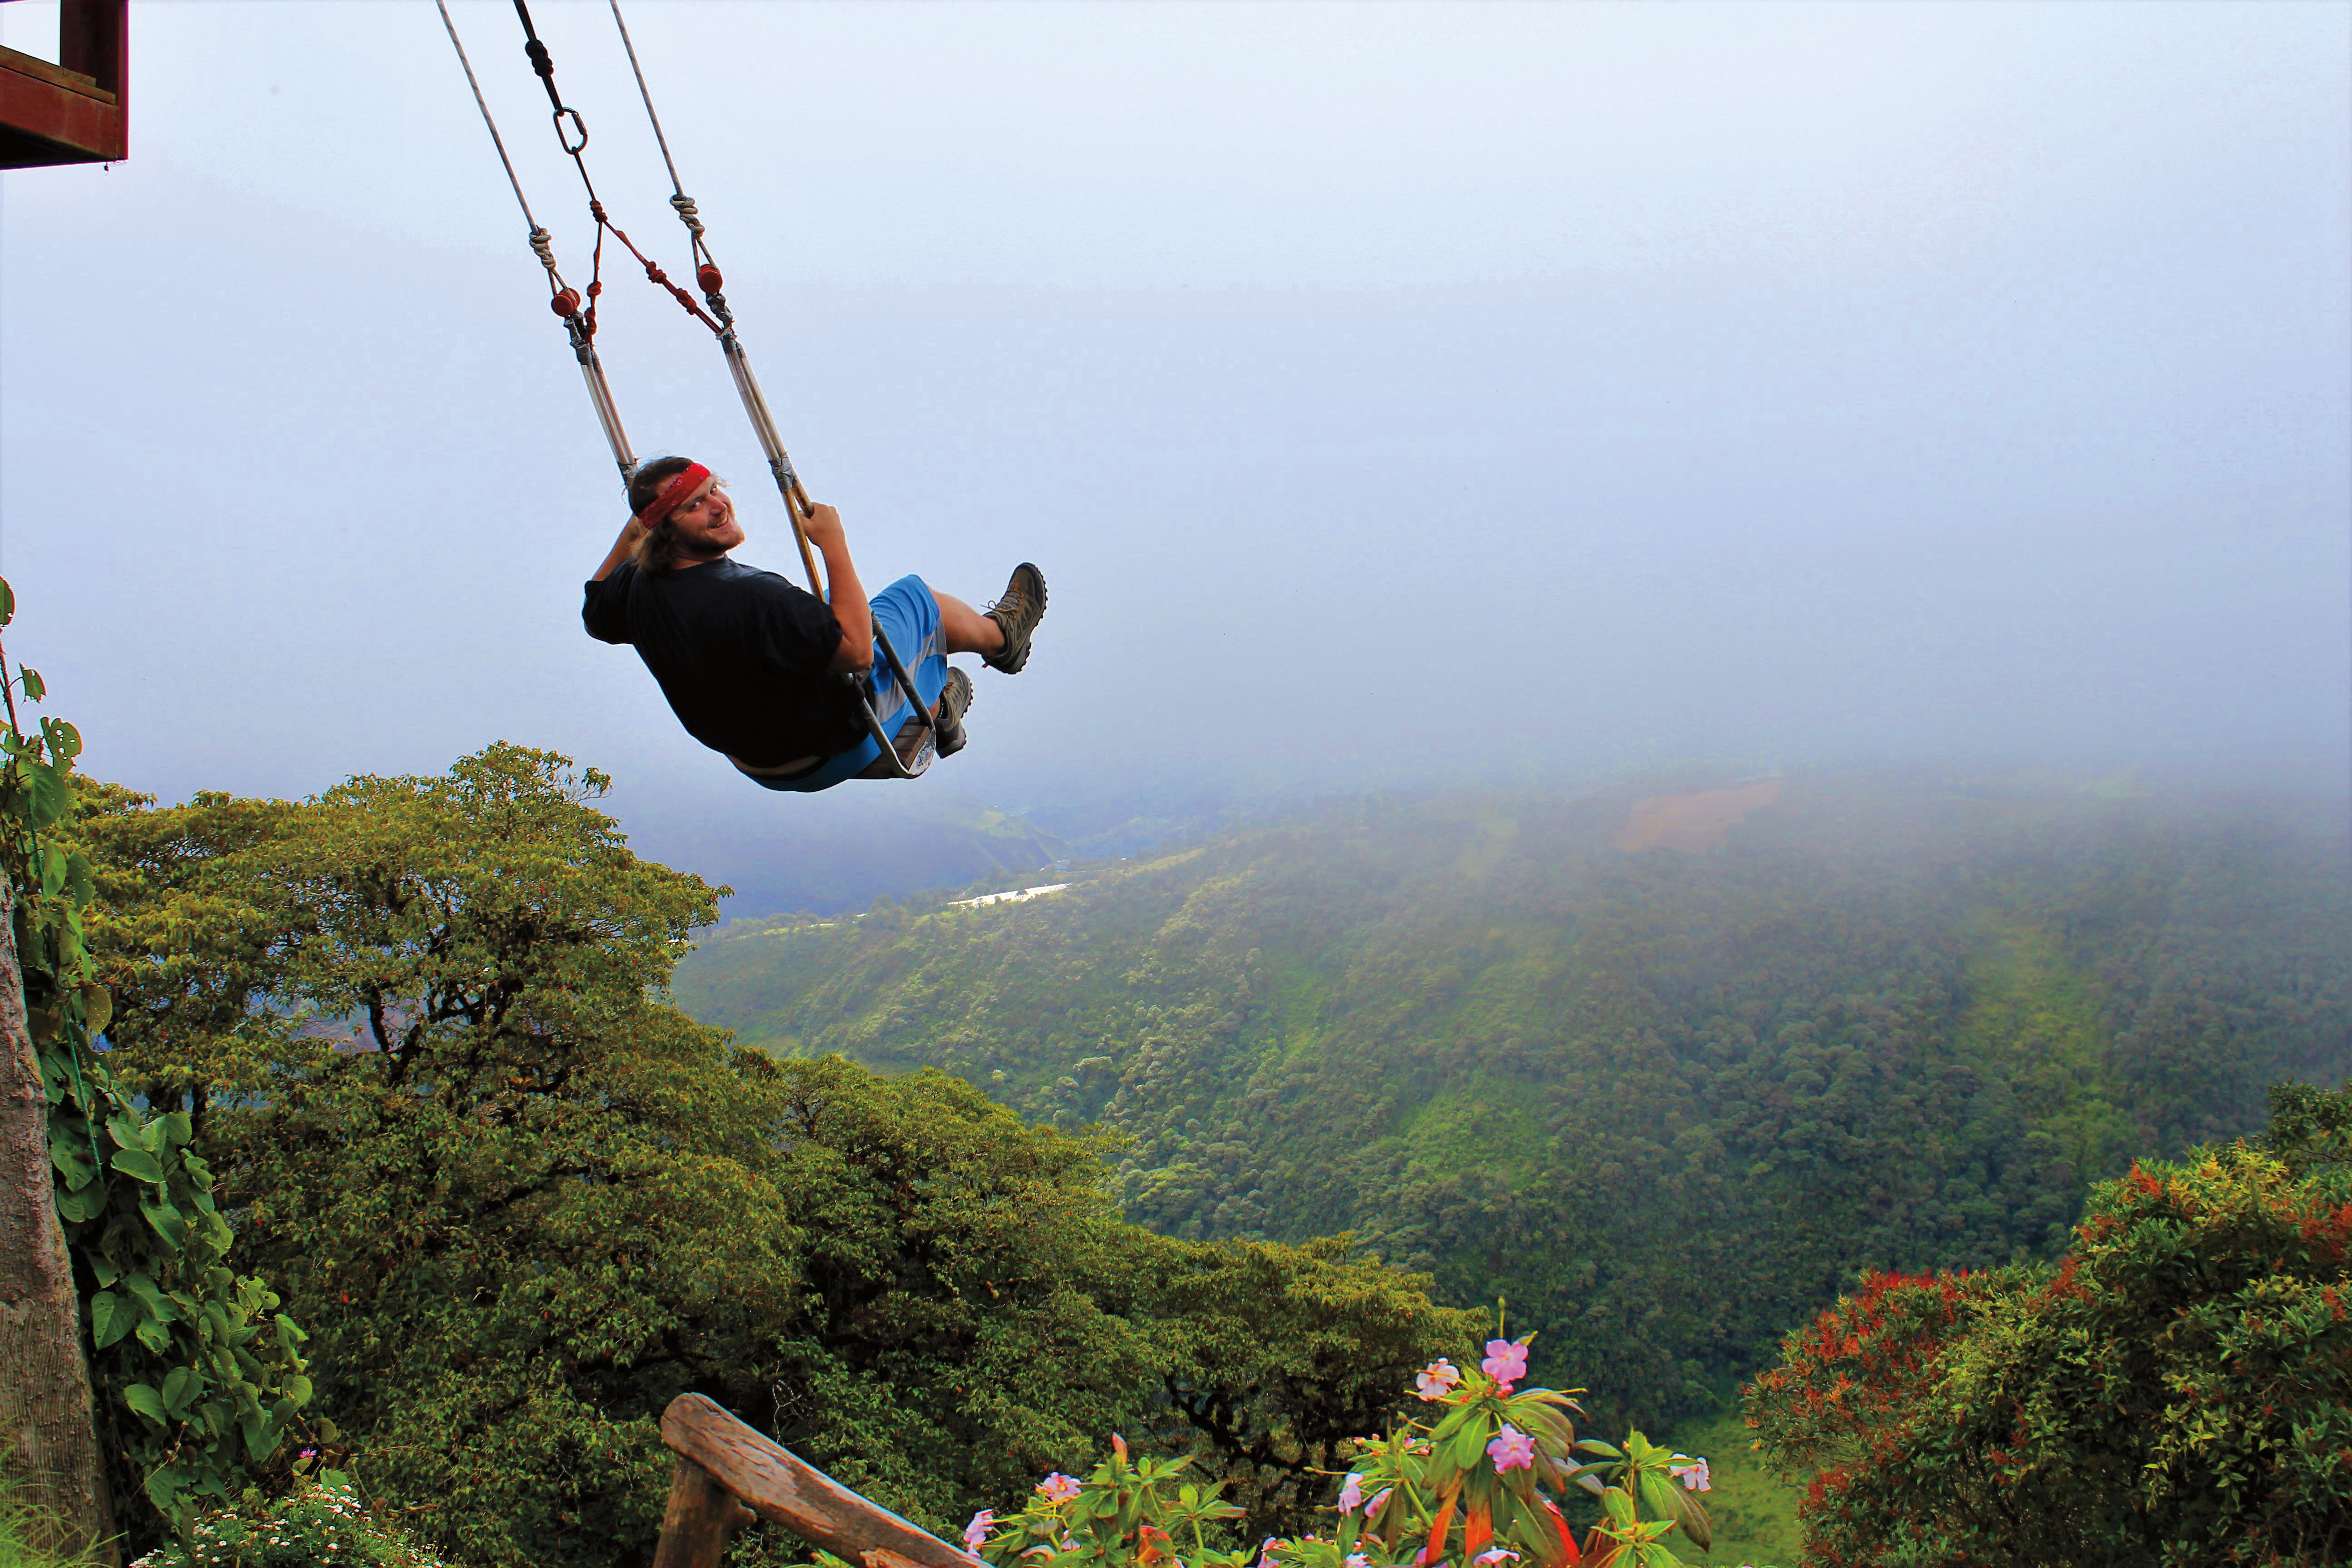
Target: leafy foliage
[318, 1522]
[1272, 1359]
[1468, 1488]
[418, 1024]
[2177, 1390]
[1129, 1511]
[197, 1377]
[519, 1203]
[1891, 1024]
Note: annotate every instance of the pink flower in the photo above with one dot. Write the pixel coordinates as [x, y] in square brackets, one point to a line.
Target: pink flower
[1059, 1487]
[1512, 1450]
[1506, 1363]
[1500, 1554]
[1692, 1475]
[1379, 1497]
[1351, 1493]
[1265, 1552]
[1357, 1560]
[977, 1531]
[1435, 1379]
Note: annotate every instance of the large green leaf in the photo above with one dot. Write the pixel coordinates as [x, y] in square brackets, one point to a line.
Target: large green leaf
[97, 1007]
[145, 1401]
[183, 1385]
[86, 1202]
[169, 1223]
[52, 801]
[138, 1164]
[152, 1297]
[110, 1318]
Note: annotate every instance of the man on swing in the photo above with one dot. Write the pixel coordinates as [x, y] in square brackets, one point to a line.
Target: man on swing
[759, 668]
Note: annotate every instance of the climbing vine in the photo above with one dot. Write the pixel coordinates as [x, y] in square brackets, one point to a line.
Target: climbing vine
[197, 1376]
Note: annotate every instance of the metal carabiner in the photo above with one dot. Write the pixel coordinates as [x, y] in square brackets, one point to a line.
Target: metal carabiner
[577, 124]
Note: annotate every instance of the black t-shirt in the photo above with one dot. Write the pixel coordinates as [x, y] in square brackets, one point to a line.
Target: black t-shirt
[741, 653]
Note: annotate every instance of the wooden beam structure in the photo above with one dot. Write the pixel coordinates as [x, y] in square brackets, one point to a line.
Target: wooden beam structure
[77, 110]
[727, 1472]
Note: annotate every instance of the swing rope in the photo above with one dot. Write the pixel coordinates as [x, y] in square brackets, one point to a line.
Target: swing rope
[580, 326]
[719, 319]
[581, 323]
[797, 505]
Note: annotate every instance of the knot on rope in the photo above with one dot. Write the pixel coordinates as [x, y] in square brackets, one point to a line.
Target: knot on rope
[686, 215]
[543, 244]
[540, 60]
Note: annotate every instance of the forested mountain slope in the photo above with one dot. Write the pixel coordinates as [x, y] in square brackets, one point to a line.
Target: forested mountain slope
[1664, 1100]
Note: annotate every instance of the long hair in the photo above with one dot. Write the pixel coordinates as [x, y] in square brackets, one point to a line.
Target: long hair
[657, 550]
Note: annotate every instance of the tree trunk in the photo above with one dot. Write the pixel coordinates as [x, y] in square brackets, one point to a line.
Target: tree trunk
[49, 1447]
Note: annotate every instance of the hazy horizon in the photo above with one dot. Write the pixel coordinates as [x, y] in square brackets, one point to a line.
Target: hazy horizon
[1394, 395]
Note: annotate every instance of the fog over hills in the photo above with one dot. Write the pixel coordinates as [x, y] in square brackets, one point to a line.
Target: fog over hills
[1395, 396]
[1821, 1023]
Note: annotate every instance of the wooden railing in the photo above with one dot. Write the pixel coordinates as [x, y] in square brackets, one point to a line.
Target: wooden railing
[727, 1473]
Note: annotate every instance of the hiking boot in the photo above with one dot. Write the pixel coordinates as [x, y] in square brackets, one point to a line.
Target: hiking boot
[955, 700]
[1017, 613]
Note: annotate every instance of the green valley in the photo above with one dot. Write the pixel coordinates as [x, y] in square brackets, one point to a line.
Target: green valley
[1665, 1104]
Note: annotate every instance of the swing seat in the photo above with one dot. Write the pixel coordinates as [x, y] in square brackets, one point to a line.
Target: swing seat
[904, 615]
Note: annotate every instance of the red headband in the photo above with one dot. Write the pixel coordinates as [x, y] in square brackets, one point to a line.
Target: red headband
[672, 494]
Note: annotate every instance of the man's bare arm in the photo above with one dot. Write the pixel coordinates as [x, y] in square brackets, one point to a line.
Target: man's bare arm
[622, 547]
[845, 593]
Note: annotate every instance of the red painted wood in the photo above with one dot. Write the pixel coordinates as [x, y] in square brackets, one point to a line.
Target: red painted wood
[47, 116]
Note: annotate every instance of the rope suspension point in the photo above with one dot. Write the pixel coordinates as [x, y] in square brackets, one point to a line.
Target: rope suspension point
[798, 507]
[540, 243]
[564, 299]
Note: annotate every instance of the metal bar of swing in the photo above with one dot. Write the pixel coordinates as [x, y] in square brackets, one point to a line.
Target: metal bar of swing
[796, 502]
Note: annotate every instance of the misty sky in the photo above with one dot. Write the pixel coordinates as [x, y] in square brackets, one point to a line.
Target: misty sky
[1389, 394]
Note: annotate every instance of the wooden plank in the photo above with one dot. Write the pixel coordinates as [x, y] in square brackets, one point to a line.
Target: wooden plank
[700, 1520]
[94, 38]
[76, 110]
[781, 1486]
[40, 124]
[39, 70]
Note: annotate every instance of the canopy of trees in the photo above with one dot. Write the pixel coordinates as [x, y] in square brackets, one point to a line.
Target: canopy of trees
[418, 1029]
[1668, 1104]
[2178, 1390]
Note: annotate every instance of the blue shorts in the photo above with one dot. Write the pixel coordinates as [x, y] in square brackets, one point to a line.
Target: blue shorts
[907, 614]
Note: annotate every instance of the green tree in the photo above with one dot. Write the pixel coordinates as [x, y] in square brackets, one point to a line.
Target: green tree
[521, 1202]
[2178, 1390]
[419, 1028]
[145, 1375]
[1272, 1358]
